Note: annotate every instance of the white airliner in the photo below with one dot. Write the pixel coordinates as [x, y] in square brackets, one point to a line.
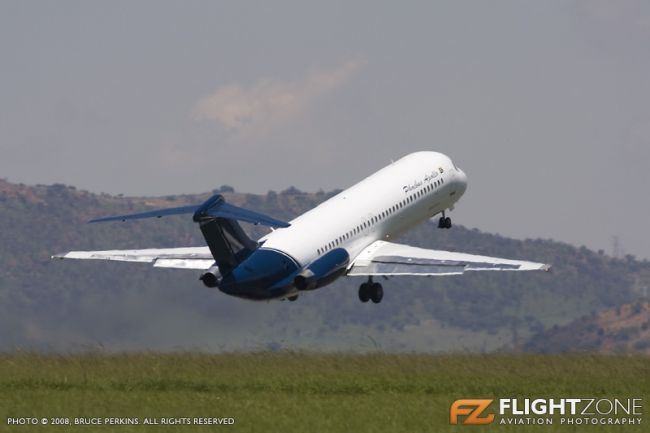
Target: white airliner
[348, 235]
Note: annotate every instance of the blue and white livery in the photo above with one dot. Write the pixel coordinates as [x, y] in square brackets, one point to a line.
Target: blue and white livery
[351, 234]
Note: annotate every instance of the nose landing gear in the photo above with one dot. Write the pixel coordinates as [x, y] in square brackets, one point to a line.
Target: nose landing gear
[371, 291]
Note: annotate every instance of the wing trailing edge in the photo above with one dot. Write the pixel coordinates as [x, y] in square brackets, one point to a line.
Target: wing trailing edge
[385, 259]
[179, 258]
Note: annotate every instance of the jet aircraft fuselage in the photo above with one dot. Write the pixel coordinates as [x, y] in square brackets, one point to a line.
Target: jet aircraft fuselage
[380, 207]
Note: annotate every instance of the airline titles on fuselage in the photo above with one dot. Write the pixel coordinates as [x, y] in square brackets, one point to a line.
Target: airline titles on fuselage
[428, 178]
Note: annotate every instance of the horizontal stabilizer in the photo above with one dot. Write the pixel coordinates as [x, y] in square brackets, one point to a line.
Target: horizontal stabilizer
[214, 207]
[150, 214]
[226, 210]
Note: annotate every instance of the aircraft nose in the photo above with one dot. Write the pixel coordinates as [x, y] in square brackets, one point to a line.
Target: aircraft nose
[462, 180]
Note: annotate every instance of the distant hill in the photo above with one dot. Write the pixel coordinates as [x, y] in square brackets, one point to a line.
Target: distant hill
[625, 328]
[61, 305]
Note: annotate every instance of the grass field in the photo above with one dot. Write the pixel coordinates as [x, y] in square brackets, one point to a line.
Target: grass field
[301, 392]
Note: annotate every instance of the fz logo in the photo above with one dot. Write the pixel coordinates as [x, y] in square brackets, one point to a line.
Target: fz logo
[472, 409]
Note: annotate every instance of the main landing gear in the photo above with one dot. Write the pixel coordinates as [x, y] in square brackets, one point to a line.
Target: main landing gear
[444, 222]
[371, 291]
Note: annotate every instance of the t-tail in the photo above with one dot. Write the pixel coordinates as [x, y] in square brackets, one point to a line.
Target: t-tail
[219, 223]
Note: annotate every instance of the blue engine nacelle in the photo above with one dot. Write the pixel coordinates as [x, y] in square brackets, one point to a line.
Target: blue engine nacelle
[323, 270]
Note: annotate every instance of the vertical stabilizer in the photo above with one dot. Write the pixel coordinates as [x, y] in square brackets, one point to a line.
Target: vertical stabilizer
[228, 242]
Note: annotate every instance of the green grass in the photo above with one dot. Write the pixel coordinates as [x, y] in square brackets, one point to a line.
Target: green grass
[301, 392]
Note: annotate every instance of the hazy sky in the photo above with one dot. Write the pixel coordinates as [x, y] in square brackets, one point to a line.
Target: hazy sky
[545, 104]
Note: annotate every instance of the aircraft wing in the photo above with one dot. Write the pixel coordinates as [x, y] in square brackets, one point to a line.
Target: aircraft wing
[386, 258]
[179, 258]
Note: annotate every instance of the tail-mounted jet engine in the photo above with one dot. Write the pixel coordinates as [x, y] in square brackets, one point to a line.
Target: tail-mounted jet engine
[323, 270]
[212, 277]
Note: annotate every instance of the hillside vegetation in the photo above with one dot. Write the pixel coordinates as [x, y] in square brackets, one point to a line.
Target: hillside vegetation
[64, 305]
[625, 328]
[302, 392]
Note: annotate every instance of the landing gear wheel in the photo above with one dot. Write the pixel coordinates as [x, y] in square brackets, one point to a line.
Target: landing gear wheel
[293, 298]
[364, 292]
[444, 222]
[376, 293]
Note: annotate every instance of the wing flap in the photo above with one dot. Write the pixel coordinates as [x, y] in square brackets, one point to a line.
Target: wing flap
[179, 258]
[386, 258]
[202, 264]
